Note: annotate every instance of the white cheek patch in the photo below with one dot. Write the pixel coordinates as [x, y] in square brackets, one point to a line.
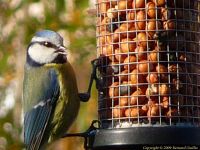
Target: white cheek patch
[41, 54]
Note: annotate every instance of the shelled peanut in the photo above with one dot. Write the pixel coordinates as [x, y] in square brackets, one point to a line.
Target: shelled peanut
[133, 36]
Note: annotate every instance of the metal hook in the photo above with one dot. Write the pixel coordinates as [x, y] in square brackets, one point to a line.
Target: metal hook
[87, 134]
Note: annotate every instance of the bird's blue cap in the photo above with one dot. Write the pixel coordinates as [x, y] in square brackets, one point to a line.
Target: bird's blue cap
[48, 35]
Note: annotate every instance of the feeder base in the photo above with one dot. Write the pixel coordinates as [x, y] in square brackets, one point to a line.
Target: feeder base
[132, 137]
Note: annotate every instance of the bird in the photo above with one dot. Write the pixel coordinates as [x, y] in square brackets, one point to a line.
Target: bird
[50, 95]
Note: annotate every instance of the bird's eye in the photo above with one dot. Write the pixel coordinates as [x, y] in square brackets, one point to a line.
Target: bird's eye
[47, 44]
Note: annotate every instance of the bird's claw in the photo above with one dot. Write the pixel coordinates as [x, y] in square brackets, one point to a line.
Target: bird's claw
[84, 97]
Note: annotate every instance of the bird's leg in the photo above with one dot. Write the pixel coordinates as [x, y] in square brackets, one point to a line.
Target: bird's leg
[84, 97]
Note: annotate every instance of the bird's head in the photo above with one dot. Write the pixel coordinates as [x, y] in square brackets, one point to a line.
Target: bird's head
[46, 49]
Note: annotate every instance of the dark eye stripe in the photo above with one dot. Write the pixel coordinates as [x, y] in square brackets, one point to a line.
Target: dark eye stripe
[45, 43]
[48, 44]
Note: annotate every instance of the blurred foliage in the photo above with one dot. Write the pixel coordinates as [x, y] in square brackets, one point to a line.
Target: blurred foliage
[19, 20]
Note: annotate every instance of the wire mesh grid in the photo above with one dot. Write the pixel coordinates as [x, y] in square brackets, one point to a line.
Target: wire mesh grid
[149, 62]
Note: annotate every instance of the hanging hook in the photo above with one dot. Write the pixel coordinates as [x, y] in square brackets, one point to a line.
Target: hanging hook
[87, 134]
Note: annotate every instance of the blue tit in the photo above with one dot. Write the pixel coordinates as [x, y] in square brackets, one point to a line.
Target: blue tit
[50, 94]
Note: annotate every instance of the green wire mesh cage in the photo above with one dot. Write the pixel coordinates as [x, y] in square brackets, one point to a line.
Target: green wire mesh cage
[149, 67]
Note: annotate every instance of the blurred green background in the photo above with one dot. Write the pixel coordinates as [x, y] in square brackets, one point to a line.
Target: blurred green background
[19, 20]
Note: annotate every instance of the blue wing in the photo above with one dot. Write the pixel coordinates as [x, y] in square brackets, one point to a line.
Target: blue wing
[41, 91]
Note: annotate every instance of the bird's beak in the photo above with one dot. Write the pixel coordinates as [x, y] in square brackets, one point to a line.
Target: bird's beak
[61, 50]
[61, 58]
